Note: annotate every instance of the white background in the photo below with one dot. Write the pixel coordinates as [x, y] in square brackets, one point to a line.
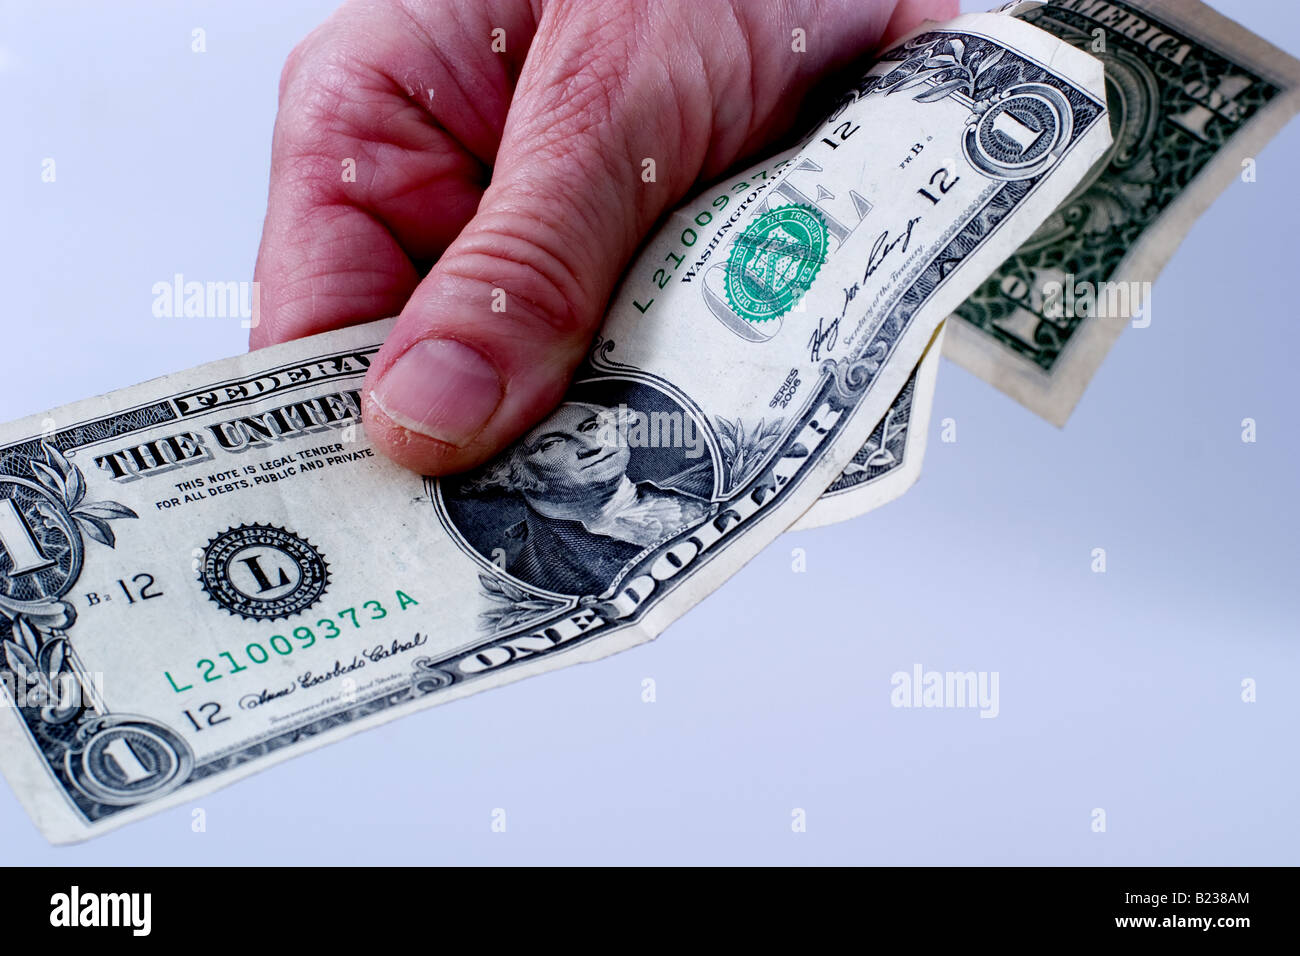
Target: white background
[1118, 690]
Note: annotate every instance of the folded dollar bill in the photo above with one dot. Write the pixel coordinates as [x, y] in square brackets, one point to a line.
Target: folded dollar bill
[208, 573]
[1194, 98]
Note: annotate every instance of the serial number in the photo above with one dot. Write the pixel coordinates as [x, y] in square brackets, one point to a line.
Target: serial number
[299, 639]
[702, 219]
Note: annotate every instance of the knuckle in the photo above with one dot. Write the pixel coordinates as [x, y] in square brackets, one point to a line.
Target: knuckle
[320, 89]
[541, 288]
[315, 126]
[292, 66]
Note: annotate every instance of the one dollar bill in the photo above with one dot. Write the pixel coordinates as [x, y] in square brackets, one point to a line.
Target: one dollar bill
[225, 574]
[1194, 98]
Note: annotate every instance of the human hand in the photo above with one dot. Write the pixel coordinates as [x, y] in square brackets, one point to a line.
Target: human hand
[518, 171]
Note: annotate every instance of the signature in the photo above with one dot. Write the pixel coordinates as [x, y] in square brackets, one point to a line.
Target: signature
[253, 701]
[379, 651]
[883, 247]
[312, 680]
[823, 337]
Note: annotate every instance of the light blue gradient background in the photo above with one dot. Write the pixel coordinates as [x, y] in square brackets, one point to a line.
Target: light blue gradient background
[1119, 690]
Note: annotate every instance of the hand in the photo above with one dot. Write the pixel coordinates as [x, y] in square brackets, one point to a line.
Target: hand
[518, 171]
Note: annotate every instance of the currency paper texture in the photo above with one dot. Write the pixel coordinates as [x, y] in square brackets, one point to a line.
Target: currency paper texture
[224, 573]
[1193, 99]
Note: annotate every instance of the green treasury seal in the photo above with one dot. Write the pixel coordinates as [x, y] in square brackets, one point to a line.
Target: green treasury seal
[774, 261]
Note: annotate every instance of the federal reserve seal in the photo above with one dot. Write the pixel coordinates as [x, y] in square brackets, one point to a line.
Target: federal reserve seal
[774, 261]
[262, 573]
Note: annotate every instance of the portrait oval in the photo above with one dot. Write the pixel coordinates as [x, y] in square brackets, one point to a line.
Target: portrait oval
[620, 467]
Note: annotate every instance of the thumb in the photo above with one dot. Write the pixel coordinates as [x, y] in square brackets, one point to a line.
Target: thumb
[486, 344]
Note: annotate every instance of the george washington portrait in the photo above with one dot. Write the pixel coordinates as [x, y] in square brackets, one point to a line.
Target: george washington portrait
[587, 491]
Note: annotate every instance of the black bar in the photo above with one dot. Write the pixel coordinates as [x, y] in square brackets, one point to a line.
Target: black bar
[250, 907]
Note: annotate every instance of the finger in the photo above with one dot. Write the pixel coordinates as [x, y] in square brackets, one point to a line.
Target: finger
[382, 146]
[910, 14]
[487, 343]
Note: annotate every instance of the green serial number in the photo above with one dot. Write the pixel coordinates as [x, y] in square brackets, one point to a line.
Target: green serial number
[689, 236]
[279, 645]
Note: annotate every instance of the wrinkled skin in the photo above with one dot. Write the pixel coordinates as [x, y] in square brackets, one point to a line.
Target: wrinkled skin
[519, 171]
